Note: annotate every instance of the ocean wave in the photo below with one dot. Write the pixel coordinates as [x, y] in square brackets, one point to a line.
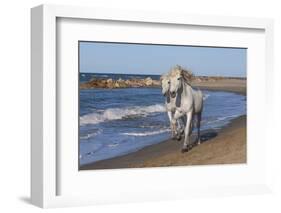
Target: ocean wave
[90, 135]
[220, 119]
[100, 76]
[120, 113]
[148, 133]
[228, 117]
[103, 76]
[113, 145]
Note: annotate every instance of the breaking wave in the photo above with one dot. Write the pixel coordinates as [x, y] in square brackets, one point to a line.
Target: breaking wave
[90, 135]
[120, 113]
[146, 133]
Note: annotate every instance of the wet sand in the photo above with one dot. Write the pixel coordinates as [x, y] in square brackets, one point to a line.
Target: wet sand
[225, 146]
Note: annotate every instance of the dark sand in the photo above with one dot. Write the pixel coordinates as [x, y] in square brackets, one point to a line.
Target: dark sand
[227, 146]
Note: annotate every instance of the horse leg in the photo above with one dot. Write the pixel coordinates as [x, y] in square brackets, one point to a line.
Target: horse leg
[186, 145]
[179, 129]
[183, 121]
[170, 115]
[191, 124]
[198, 124]
[175, 120]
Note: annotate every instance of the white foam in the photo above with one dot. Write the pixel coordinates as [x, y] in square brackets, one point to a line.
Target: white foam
[220, 119]
[227, 117]
[119, 113]
[113, 145]
[90, 135]
[142, 134]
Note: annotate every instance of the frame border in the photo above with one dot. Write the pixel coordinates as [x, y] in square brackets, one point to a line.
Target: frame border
[43, 89]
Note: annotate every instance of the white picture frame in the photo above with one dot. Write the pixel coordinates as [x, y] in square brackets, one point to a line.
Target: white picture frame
[45, 172]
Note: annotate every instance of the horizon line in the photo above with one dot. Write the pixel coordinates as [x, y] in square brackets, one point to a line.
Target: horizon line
[161, 74]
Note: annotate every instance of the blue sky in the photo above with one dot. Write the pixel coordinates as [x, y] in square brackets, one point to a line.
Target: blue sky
[96, 57]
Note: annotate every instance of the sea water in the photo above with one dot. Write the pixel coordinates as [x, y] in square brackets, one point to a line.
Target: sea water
[115, 122]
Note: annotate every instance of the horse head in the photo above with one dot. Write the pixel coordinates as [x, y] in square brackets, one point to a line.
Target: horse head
[177, 77]
[165, 83]
[175, 83]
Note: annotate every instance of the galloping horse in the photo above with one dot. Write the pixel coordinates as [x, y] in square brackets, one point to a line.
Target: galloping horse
[170, 104]
[188, 102]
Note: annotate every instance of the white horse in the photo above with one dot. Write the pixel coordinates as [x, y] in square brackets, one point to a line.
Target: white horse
[188, 103]
[170, 104]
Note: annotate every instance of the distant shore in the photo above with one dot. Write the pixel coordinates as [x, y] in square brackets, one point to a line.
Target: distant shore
[211, 83]
[225, 146]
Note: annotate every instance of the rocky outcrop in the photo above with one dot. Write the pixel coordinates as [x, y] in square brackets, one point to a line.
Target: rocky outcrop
[147, 82]
[120, 83]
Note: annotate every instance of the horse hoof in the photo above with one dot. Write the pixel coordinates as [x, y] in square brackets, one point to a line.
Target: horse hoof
[184, 150]
[179, 137]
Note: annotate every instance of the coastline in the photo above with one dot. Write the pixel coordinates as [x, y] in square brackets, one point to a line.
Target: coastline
[227, 85]
[224, 146]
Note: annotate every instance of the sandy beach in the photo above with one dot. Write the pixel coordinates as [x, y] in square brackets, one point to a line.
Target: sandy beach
[224, 146]
[227, 84]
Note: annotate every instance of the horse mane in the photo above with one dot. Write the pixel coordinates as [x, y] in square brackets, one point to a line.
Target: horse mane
[163, 76]
[187, 75]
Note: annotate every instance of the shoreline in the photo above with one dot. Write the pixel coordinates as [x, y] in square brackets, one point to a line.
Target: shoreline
[212, 150]
[224, 146]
